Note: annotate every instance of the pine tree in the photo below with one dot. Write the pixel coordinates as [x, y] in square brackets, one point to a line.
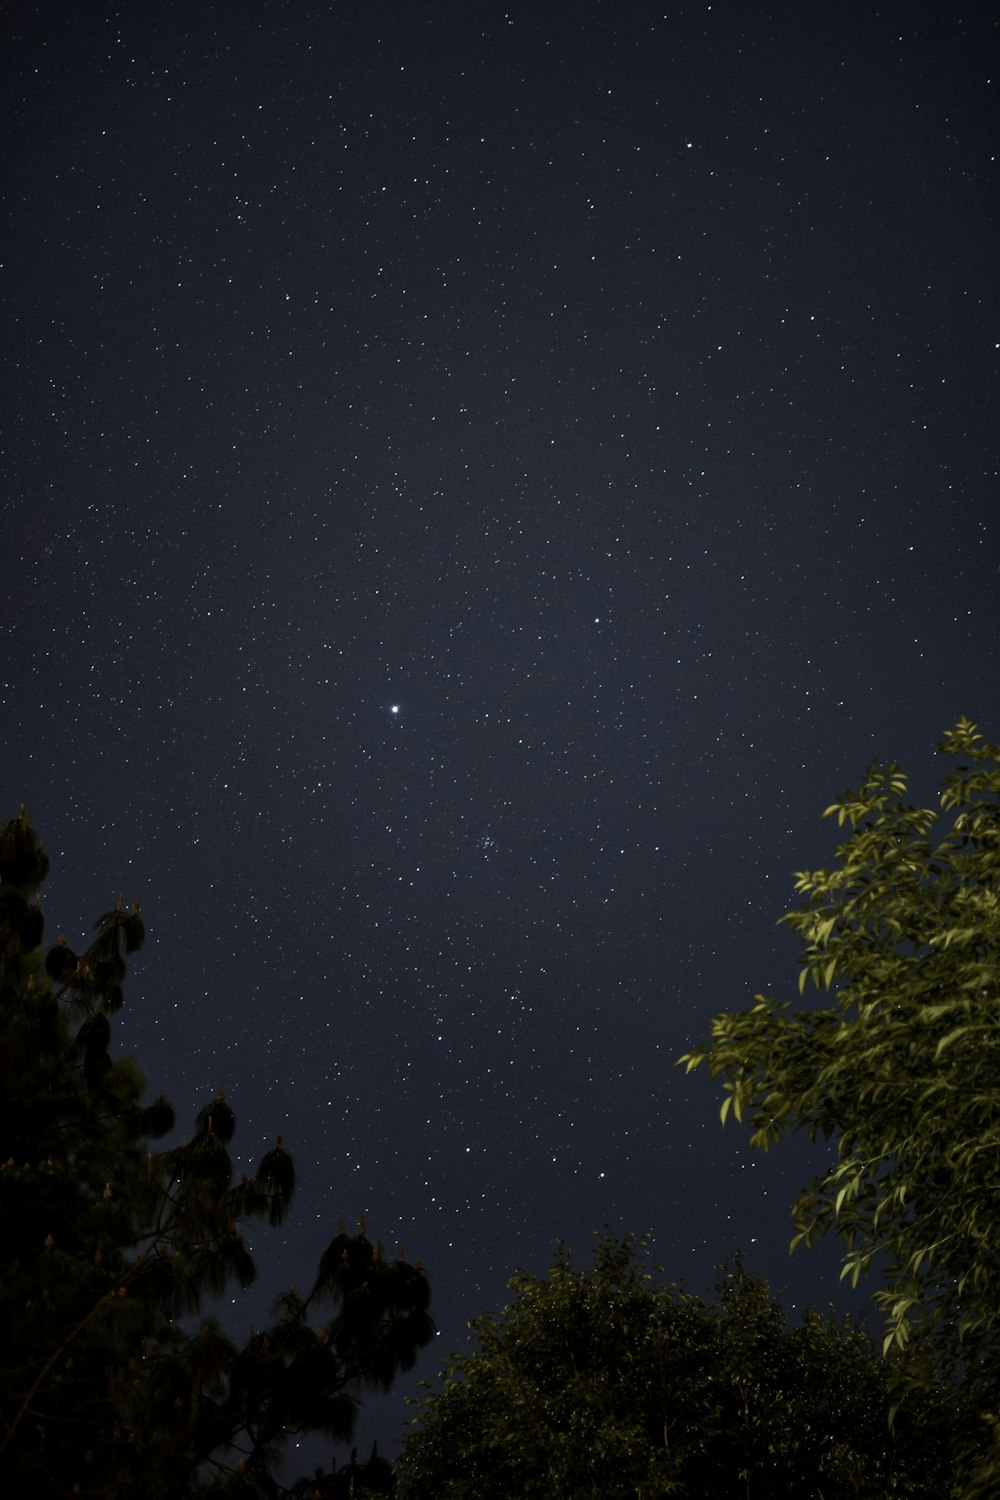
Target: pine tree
[113, 1380]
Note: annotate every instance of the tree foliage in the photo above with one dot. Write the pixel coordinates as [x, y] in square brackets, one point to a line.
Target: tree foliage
[607, 1382]
[113, 1381]
[901, 1068]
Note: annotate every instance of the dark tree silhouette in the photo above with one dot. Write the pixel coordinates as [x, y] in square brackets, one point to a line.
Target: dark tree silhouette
[113, 1381]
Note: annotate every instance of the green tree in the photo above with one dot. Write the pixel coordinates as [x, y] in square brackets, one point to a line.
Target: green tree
[112, 1381]
[607, 1382]
[901, 1069]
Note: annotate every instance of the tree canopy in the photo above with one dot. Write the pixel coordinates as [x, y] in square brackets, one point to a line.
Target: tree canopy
[609, 1382]
[900, 1069]
[113, 1380]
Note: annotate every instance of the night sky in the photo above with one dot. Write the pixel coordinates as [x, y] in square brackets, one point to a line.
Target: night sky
[478, 479]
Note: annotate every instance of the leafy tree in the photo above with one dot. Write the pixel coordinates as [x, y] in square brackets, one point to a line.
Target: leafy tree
[111, 1382]
[608, 1383]
[902, 1067]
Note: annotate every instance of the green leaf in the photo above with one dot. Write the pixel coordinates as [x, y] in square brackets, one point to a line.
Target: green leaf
[952, 1036]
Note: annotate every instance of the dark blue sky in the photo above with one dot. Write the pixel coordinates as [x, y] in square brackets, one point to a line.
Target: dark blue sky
[478, 481]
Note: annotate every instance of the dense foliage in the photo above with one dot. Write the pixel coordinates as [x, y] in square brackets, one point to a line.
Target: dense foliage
[902, 1068]
[112, 1381]
[607, 1382]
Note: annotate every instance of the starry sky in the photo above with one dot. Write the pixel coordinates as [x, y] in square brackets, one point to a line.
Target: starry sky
[478, 479]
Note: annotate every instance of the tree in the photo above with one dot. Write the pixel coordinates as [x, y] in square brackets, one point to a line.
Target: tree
[111, 1384]
[355, 1481]
[901, 1069]
[607, 1382]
